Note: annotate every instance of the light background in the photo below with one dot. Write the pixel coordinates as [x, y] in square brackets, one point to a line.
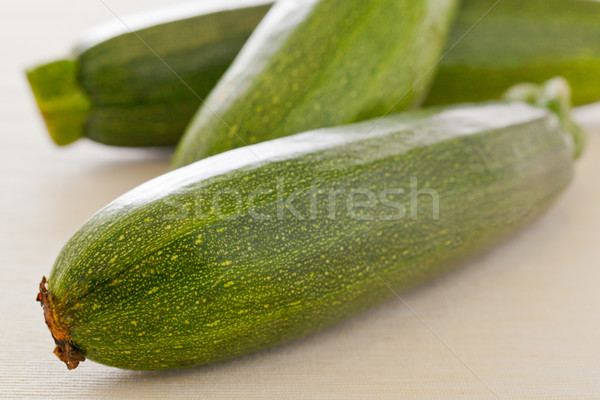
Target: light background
[521, 322]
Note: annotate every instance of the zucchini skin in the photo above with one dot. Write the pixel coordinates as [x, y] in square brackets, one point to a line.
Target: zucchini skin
[161, 278]
[520, 41]
[122, 112]
[316, 63]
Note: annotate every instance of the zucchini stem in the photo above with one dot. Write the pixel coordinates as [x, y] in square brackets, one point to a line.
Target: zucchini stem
[62, 102]
[554, 95]
[65, 350]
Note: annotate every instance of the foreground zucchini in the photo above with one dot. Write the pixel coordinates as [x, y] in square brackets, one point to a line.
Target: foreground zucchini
[103, 92]
[316, 63]
[271, 242]
[142, 88]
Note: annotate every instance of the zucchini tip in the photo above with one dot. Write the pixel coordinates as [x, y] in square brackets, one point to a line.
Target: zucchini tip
[65, 349]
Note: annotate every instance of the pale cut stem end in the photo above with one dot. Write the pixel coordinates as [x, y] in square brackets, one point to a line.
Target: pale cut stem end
[62, 102]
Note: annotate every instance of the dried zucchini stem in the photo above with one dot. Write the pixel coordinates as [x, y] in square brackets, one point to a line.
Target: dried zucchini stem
[65, 350]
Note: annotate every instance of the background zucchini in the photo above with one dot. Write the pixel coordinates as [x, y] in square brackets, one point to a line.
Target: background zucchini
[316, 63]
[117, 91]
[108, 100]
[236, 253]
[520, 41]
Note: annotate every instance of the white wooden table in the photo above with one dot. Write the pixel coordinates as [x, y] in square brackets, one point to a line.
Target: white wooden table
[521, 322]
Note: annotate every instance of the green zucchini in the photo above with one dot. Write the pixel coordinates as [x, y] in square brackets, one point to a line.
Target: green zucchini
[520, 41]
[108, 100]
[141, 88]
[316, 63]
[267, 243]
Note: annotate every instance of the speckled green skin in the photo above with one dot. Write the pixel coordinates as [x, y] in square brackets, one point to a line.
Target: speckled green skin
[138, 100]
[147, 284]
[520, 41]
[317, 63]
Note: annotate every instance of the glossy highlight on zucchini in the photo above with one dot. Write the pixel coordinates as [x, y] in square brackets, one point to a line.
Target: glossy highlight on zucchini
[264, 244]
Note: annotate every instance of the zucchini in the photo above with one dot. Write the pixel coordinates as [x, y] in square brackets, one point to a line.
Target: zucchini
[520, 41]
[108, 100]
[316, 63]
[264, 244]
[115, 90]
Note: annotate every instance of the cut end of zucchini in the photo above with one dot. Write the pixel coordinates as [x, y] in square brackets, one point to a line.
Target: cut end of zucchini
[65, 350]
[64, 106]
